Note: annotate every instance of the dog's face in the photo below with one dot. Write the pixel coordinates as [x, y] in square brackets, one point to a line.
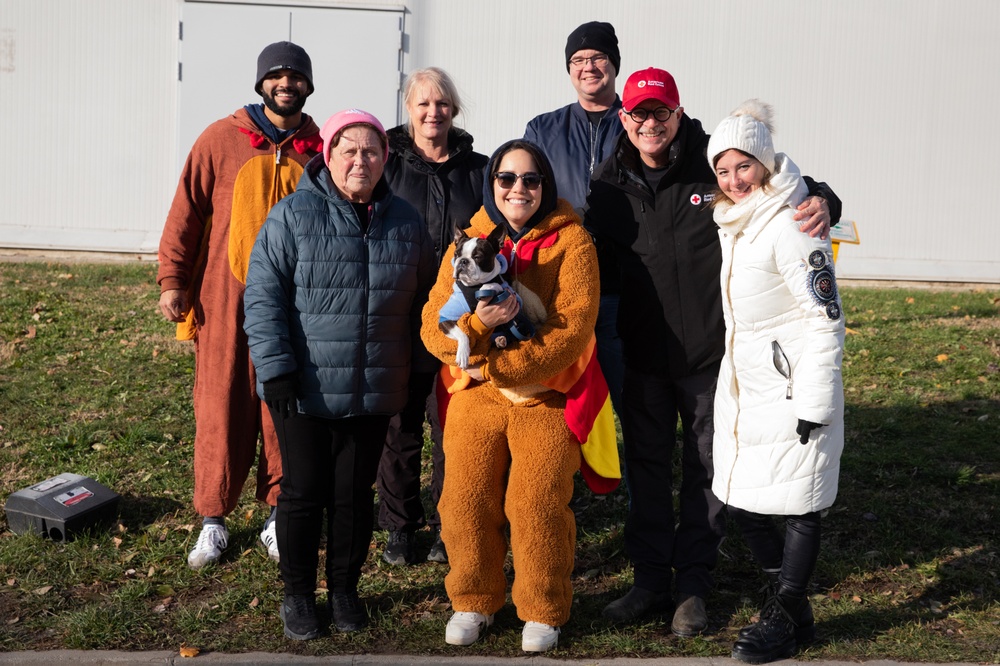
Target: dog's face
[475, 261]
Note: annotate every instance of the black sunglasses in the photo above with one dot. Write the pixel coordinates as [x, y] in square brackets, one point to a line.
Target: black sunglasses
[508, 179]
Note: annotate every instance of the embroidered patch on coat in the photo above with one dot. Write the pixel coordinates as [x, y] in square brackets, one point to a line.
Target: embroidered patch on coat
[823, 288]
[817, 259]
[822, 285]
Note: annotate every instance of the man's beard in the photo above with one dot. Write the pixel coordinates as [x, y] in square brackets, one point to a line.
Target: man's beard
[284, 111]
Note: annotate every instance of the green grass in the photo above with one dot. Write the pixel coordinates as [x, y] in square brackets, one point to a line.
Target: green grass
[92, 382]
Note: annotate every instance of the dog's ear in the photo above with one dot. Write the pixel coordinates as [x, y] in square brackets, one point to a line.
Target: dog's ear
[459, 235]
[496, 237]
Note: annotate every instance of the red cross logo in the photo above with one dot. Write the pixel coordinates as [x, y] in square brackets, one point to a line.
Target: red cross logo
[696, 199]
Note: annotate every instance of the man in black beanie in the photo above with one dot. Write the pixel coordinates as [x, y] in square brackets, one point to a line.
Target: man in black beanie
[238, 168]
[576, 138]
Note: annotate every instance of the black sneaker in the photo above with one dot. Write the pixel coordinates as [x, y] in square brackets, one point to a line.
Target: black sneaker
[348, 612]
[298, 611]
[438, 552]
[401, 548]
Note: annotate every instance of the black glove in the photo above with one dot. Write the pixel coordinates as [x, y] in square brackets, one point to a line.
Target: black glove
[802, 429]
[279, 396]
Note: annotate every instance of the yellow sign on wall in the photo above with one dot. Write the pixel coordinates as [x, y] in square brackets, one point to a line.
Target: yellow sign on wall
[846, 231]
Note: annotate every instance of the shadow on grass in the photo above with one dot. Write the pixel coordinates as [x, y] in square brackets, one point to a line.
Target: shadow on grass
[137, 512]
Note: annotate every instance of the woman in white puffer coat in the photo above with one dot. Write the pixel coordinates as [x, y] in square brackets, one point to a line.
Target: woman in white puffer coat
[779, 406]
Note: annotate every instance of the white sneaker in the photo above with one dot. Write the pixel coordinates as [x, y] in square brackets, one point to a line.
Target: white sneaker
[464, 627]
[269, 537]
[211, 542]
[538, 637]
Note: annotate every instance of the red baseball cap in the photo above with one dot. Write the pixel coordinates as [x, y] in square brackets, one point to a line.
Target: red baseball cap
[651, 83]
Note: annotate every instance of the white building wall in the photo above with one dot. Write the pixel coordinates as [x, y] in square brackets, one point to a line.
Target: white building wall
[886, 100]
[87, 92]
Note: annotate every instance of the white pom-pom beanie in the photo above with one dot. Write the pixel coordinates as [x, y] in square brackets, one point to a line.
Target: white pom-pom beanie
[747, 128]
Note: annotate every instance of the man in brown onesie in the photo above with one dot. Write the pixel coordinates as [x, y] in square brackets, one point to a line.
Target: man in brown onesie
[238, 168]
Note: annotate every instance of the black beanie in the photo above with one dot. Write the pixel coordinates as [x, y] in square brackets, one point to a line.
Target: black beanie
[597, 36]
[283, 55]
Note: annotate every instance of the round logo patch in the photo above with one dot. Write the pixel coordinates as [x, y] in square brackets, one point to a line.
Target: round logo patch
[823, 286]
[696, 199]
[817, 259]
[833, 310]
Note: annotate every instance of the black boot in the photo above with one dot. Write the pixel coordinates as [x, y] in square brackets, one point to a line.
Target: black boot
[774, 637]
[805, 630]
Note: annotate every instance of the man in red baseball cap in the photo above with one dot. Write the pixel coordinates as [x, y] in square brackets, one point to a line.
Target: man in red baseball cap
[647, 205]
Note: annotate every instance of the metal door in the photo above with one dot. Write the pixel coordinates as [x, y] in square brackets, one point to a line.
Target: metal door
[355, 57]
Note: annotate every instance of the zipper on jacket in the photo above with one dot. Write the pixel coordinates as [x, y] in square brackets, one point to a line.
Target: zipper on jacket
[782, 365]
[362, 366]
[594, 131]
[277, 154]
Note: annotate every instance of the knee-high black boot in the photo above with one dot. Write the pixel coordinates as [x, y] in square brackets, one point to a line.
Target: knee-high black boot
[774, 637]
[805, 630]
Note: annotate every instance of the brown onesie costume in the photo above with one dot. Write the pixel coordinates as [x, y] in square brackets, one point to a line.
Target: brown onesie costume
[231, 179]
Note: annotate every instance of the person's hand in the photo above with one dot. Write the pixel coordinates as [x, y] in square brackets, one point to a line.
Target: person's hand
[476, 372]
[804, 428]
[814, 214]
[494, 314]
[174, 304]
[279, 396]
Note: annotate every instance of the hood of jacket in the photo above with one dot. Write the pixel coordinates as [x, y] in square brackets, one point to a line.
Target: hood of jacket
[550, 193]
[305, 139]
[786, 188]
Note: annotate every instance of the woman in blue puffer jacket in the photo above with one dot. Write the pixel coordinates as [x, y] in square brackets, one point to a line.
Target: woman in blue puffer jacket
[336, 279]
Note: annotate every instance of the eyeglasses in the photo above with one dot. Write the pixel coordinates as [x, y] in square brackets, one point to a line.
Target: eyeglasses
[507, 179]
[599, 60]
[661, 113]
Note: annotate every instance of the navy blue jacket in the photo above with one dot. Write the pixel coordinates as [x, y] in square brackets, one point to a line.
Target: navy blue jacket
[334, 305]
[574, 149]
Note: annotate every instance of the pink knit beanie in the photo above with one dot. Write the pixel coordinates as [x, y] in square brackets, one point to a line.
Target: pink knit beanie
[342, 119]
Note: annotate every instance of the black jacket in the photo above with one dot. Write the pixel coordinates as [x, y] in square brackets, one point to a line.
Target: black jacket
[446, 195]
[667, 246]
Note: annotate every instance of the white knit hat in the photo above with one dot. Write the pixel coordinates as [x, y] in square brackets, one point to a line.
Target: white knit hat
[748, 128]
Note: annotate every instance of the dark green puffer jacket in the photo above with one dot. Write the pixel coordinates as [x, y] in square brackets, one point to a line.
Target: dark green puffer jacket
[334, 305]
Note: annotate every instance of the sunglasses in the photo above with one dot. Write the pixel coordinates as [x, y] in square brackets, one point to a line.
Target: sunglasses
[507, 179]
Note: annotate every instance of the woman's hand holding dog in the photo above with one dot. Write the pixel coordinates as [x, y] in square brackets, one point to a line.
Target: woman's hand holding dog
[493, 315]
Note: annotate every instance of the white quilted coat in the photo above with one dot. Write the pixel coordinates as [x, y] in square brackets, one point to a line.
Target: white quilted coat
[777, 287]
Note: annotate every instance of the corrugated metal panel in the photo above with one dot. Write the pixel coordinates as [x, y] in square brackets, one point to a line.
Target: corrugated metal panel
[886, 101]
[87, 90]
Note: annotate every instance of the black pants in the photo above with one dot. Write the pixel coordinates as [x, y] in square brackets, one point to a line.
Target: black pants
[793, 554]
[327, 464]
[400, 506]
[651, 405]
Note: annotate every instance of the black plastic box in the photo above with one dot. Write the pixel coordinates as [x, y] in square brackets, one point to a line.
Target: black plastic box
[60, 507]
